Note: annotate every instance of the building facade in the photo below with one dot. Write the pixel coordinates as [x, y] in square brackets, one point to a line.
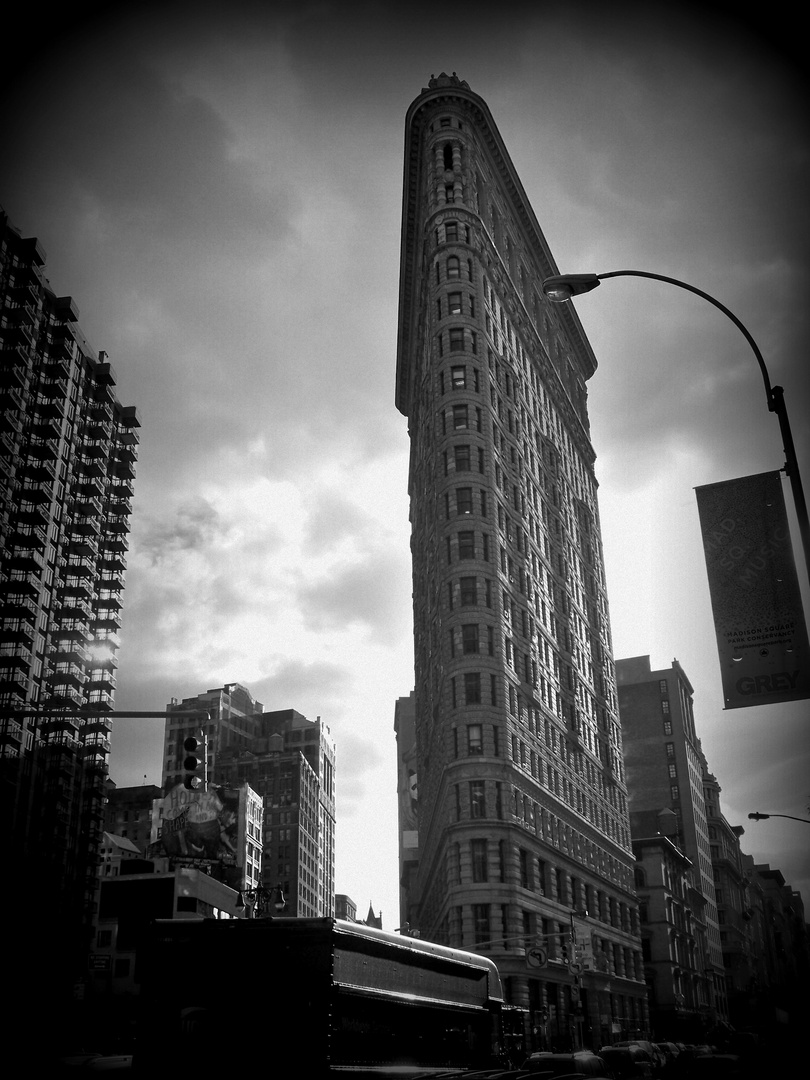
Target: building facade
[521, 809]
[133, 813]
[673, 930]
[67, 463]
[665, 770]
[289, 762]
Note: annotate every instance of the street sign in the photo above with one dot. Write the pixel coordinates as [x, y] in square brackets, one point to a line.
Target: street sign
[575, 969]
[536, 957]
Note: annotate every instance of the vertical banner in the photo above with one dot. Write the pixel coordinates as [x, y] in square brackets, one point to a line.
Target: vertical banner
[754, 589]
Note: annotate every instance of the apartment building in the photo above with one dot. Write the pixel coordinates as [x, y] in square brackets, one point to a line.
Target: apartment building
[68, 449]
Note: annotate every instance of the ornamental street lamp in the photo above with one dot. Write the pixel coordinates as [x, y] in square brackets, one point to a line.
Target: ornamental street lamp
[255, 901]
[563, 287]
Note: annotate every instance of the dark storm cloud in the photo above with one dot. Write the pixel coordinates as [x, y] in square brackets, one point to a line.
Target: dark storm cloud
[194, 525]
[369, 594]
[313, 687]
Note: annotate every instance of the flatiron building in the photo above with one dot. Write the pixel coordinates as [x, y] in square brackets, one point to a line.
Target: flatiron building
[522, 843]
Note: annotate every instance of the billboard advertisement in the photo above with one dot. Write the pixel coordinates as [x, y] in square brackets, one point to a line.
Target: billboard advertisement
[204, 826]
[754, 588]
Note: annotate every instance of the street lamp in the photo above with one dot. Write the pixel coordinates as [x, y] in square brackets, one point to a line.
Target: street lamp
[764, 817]
[563, 287]
[256, 900]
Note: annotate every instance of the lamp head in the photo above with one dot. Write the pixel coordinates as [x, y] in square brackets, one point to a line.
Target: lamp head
[758, 817]
[563, 286]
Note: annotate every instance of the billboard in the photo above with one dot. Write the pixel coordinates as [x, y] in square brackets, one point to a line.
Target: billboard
[204, 826]
[754, 588]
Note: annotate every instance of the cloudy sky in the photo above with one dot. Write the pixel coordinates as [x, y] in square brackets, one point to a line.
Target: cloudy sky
[219, 188]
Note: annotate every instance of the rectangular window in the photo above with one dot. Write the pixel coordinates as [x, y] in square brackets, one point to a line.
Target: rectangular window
[462, 458]
[478, 851]
[454, 303]
[525, 877]
[451, 231]
[460, 417]
[481, 923]
[475, 739]
[458, 377]
[469, 638]
[456, 336]
[478, 807]
[472, 688]
[466, 545]
[464, 504]
[468, 591]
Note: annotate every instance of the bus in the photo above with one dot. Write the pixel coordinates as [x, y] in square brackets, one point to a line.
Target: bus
[311, 997]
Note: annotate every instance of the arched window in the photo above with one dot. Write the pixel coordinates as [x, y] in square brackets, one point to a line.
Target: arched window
[448, 155]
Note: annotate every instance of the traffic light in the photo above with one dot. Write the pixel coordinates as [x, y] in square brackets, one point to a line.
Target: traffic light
[192, 763]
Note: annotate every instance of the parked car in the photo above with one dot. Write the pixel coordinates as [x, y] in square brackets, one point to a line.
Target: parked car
[656, 1057]
[670, 1052]
[578, 1063]
[627, 1062]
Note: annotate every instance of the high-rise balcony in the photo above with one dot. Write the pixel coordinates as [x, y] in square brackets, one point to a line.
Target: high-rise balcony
[99, 699]
[19, 584]
[112, 561]
[40, 451]
[38, 470]
[63, 696]
[89, 467]
[14, 680]
[14, 657]
[80, 544]
[97, 744]
[75, 608]
[44, 430]
[48, 409]
[52, 388]
[98, 726]
[105, 620]
[70, 631]
[74, 587]
[66, 650]
[85, 526]
[117, 523]
[15, 631]
[77, 566]
[25, 559]
[66, 675]
[84, 505]
[101, 679]
[89, 487]
[56, 363]
[33, 493]
[17, 605]
[118, 504]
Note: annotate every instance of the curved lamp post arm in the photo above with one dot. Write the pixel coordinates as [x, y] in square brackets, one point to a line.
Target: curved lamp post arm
[764, 817]
[563, 287]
